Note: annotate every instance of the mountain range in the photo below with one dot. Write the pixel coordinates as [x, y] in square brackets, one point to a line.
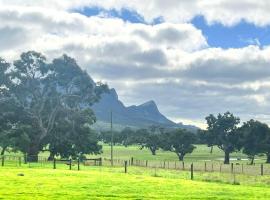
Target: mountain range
[141, 116]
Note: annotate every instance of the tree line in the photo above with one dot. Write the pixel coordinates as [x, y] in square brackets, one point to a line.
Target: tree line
[223, 131]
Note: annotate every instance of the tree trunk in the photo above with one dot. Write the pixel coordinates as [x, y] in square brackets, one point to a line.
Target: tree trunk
[153, 151]
[32, 154]
[227, 158]
[252, 160]
[268, 158]
[211, 151]
[51, 156]
[3, 150]
[181, 156]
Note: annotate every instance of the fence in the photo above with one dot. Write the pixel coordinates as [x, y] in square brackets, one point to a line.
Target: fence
[211, 166]
[43, 162]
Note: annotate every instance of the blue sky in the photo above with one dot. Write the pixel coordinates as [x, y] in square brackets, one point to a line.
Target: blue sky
[237, 36]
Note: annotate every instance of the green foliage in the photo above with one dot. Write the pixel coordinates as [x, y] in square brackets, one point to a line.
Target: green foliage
[253, 138]
[44, 91]
[222, 131]
[150, 138]
[179, 141]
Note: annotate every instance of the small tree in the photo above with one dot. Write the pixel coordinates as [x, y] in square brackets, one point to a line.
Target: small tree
[222, 131]
[179, 141]
[150, 139]
[127, 136]
[253, 138]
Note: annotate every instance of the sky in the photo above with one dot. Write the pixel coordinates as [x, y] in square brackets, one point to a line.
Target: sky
[192, 57]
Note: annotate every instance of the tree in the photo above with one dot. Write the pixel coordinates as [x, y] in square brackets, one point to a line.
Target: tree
[42, 90]
[73, 137]
[127, 136]
[222, 131]
[179, 141]
[150, 138]
[253, 138]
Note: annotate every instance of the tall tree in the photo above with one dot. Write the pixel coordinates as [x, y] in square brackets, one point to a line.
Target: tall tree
[222, 131]
[179, 141]
[42, 90]
[253, 138]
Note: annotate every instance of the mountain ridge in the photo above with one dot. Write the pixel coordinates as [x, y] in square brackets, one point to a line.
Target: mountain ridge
[140, 116]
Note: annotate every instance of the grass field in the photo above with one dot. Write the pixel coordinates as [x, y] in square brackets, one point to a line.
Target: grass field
[112, 183]
[201, 153]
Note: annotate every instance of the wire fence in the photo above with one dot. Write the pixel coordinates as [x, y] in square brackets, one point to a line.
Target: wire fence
[211, 166]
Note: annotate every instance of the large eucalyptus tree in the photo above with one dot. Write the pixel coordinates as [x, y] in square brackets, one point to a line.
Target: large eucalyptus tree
[43, 90]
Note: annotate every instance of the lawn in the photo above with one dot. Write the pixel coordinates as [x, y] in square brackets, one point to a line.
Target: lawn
[112, 183]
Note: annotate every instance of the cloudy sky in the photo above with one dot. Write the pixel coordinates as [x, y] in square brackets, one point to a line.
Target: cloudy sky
[192, 57]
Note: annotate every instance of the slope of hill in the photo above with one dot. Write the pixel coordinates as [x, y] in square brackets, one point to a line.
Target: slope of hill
[143, 115]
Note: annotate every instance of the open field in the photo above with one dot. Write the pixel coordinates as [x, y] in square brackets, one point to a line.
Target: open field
[112, 183]
[201, 153]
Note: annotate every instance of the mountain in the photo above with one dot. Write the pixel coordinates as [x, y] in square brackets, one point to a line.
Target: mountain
[143, 115]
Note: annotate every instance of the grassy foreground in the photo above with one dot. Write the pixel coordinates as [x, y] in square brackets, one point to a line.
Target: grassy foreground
[103, 184]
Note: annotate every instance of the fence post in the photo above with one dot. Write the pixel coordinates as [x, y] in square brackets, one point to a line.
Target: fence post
[220, 167]
[212, 167]
[54, 163]
[261, 169]
[131, 160]
[242, 168]
[231, 167]
[183, 165]
[146, 163]
[164, 164]
[20, 161]
[205, 166]
[78, 164]
[70, 163]
[191, 171]
[125, 166]
[3, 161]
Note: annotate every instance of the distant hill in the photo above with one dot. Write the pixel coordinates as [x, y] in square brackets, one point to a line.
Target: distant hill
[140, 116]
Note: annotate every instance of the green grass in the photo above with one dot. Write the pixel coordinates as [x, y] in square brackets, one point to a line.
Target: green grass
[112, 183]
[201, 153]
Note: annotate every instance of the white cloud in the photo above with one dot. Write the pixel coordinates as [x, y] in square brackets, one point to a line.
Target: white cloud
[227, 12]
[170, 62]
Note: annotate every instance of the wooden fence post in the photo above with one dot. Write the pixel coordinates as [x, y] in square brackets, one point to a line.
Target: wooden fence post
[78, 164]
[164, 164]
[146, 163]
[261, 169]
[242, 168]
[183, 165]
[191, 171]
[212, 167]
[205, 168]
[131, 160]
[231, 167]
[54, 163]
[3, 161]
[20, 161]
[70, 164]
[125, 166]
